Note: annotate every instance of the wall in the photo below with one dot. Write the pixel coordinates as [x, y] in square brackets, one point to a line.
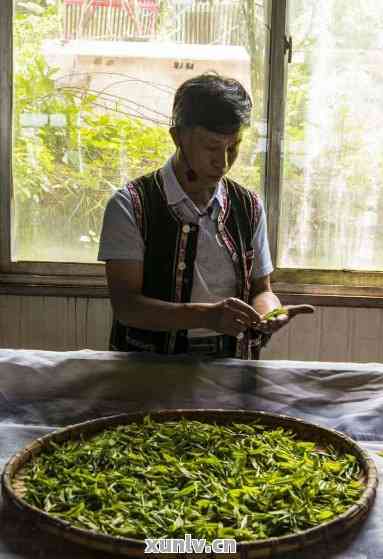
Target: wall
[69, 323]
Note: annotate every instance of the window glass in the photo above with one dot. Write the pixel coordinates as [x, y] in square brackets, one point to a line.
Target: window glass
[332, 195]
[93, 86]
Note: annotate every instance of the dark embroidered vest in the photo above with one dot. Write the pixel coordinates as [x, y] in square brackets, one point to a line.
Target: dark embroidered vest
[170, 251]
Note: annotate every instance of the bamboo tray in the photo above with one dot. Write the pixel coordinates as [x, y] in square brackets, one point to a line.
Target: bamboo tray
[344, 524]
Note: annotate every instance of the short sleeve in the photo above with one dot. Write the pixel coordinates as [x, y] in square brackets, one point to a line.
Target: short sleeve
[120, 237]
[262, 259]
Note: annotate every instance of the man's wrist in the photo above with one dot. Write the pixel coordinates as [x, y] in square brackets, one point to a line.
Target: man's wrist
[198, 315]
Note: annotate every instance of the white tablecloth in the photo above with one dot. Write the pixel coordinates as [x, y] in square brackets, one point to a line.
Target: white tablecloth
[40, 391]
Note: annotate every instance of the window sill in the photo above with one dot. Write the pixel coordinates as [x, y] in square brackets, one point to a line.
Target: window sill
[333, 288]
[95, 286]
[54, 285]
[328, 295]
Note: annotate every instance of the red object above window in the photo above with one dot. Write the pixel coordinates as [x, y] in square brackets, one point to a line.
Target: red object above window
[150, 5]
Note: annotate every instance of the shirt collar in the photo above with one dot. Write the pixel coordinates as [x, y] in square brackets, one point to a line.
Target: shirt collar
[176, 194]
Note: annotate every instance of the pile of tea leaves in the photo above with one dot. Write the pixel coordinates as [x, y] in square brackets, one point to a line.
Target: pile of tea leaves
[167, 479]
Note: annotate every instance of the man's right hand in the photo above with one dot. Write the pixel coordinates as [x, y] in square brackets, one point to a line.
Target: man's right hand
[231, 316]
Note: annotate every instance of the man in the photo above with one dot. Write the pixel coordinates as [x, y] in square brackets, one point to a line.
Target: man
[186, 251]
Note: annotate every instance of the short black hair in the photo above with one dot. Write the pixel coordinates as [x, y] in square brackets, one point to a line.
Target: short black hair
[215, 102]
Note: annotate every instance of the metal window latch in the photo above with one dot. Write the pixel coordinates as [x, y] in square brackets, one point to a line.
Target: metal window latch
[288, 47]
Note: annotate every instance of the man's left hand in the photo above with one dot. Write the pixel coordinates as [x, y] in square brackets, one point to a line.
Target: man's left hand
[270, 324]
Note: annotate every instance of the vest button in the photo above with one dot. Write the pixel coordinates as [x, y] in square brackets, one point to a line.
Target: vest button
[221, 227]
[181, 266]
[186, 228]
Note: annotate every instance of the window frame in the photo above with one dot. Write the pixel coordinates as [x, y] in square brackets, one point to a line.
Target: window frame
[21, 277]
[322, 287]
[328, 287]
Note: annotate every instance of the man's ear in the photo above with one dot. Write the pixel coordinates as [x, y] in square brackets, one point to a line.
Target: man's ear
[174, 132]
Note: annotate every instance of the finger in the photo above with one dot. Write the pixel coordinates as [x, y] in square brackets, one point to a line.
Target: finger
[243, 307]
[235, 330]
[269, 328]
[278, 322]
[273, 327]
[233, 313]
[274, 323]
[293, 310]
[263, 327]
[240, 323]
[238, 316]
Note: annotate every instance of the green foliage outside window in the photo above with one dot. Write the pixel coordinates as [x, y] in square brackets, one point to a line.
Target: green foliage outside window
[65, 174]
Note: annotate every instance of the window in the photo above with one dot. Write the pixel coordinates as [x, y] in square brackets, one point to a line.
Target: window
[90, 85]
[94, 82]
[332, 195]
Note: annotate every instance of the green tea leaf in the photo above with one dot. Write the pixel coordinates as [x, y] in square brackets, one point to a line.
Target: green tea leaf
[243, 480]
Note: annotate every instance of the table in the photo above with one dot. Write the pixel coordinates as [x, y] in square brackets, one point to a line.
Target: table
[43, 390]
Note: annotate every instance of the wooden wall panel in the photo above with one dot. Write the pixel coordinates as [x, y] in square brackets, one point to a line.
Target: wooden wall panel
[32, 323]
[299, 340]
[80, 322]
[335, 342]
[366, 335]
[278, 346]
[37, 322]
[10, 321]
[59, 312]
[69, 323]
[305, 336]
[98, 323]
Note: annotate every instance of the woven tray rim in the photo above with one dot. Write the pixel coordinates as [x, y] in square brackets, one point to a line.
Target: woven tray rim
[345, 522]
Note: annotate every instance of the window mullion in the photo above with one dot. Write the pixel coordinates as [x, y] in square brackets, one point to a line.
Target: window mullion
[5, 131]
[276, 110]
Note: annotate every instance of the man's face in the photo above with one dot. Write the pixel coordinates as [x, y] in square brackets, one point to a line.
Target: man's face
[210, 155]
